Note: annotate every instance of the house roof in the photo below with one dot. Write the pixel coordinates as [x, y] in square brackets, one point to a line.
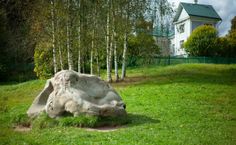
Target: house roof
[198, 10]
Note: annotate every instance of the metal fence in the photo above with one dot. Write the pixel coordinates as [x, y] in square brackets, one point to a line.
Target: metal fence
[139, 61]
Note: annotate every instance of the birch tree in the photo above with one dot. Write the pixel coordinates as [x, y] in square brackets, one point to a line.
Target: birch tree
[109, 79]
[114, 34]
[69, 49]
[79, 37]
[53, 35]
[93, 36]
[126, 11]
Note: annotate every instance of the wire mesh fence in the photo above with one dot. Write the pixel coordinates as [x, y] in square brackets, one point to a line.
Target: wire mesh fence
[139, 61]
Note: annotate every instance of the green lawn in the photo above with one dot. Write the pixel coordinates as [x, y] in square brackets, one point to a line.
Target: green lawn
[182, 104]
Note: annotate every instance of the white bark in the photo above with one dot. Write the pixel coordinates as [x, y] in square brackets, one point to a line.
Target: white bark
[96, 48]
[53, 36]
[110, 52]
[60, 54]
[123, 74]
[115, 62]
[91, 62]
[115, 58]
[98, 64]
[93, 39]
[79, 40]
[108, 43]
[79, 47]
[69, 49]
[79, 62]
[115, 47]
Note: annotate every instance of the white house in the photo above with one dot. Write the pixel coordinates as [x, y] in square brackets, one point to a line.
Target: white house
[188, 17]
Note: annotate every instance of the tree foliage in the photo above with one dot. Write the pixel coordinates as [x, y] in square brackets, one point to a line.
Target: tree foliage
[202, 41]
[227, 44]
[16, 45]
[57, 35]
[142, 45]
[43, 60]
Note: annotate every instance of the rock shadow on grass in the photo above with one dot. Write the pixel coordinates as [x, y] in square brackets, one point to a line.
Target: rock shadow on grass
[113, 124]
[139, 119]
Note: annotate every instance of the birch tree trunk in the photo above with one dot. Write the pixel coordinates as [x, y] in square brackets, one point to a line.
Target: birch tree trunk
[79, 61]
[60, 54]
[111, 51]
[123, 74]
[93, 39]
[69, 49]
[53, 36]
[115, 48]
[91, 60]
[95, 35]
[79, 40]
[79, 48]
[98, 64]
[108, 42]
[115, 61]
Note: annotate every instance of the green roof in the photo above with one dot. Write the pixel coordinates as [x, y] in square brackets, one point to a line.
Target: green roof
[198, 10]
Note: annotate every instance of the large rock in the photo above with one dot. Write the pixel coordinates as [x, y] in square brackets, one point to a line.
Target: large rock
[70, 92]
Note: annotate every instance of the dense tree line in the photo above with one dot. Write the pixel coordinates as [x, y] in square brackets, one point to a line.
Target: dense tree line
[16, 43]
[81, 35]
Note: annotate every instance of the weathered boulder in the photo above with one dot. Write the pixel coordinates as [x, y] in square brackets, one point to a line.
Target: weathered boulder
[70, 92]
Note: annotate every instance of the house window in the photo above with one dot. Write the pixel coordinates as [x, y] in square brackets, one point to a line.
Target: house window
[181, 44]
[181, 28]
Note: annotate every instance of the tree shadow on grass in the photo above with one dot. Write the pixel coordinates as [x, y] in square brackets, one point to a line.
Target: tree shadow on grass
[223, 77]
[139, 119]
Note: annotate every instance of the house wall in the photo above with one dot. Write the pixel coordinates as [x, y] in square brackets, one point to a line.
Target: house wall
[184, 19]
[184, 15]
[190, 23]
[198, 21]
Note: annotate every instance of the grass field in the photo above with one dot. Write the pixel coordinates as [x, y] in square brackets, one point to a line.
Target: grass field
[181, 104]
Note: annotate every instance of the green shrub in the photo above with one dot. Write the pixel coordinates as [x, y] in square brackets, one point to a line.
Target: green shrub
[43, 60]
[80, 121]
[93, 121]
[202, 41]
[44, 121]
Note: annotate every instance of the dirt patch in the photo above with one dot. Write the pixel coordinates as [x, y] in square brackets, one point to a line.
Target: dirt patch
[21, 128]
[131, 81]
[104, 128]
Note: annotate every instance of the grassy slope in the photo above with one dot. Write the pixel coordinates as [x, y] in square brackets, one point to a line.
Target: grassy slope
[182, 104]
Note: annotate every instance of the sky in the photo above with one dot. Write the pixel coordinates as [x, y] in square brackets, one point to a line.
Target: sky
[225, 8]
